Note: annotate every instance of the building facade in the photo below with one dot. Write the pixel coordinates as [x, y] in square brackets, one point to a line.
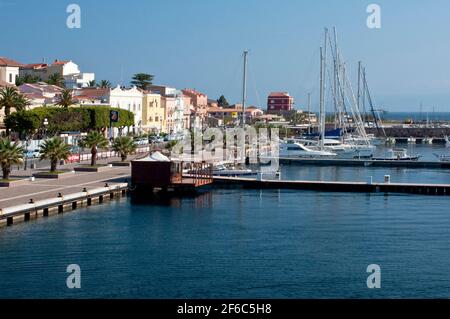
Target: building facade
[9, 70]
[131, 100]
[153, 113]
[73, 77]
[280, 101]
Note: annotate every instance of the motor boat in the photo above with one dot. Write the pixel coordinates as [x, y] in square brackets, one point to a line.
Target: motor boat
[223, 170]
[398, 154]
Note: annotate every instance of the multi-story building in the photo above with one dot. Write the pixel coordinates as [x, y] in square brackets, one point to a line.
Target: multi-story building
[280, 101]
[73, 77]
[153, 113]
[177, 113]
[232, 115]
[199, 102]
[124, 98]
[9, 71]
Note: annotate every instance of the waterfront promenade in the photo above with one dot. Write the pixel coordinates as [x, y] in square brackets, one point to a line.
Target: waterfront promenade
[49, 188]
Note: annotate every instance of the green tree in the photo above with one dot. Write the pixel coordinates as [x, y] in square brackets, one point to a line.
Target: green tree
[222, 101]
[124, 145]
[26, 123]
[92, 84]
[56, 79]
[104, 84]
[142, 80]
[54, 149]
[10, 154]
[66, 99]
[27, 78]
[94, 140]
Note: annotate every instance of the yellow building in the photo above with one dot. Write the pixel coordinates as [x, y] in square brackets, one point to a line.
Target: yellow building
[153, 113]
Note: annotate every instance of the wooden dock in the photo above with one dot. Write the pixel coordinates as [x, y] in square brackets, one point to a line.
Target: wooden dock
[364, 162]
[60, 204]
[326, 186]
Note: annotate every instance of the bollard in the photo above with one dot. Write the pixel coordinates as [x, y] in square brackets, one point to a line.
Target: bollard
[74, 205]
[387, 179]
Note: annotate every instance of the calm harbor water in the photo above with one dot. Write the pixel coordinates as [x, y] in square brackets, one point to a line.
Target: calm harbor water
[229, 243]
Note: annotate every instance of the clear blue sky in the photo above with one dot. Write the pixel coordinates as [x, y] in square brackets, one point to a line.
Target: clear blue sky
[199, 43]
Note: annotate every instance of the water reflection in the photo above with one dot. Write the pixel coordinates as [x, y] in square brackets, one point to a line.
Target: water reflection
[200, 199]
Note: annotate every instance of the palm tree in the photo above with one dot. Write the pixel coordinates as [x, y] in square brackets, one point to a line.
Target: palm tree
[66, 99]
[124, 145]
[105, 84]
[92, 83]
[10, 154]
[11, 99]
[54, 149]
[56, 79]
[94, 140]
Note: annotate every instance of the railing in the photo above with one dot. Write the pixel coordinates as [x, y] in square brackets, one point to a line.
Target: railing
[81, 157]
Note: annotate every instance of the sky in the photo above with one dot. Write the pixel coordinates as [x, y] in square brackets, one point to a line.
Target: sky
[199, 44]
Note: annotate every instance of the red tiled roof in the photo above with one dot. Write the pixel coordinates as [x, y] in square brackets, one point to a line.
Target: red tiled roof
[93, 92]
[34, 66]
[279, 94]
[192, 91]
[60, 62]
[8, 62]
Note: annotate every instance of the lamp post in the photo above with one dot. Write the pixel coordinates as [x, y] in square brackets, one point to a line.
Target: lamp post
[45, 128]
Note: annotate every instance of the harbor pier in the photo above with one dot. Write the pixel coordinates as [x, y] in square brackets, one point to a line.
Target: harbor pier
[364, 162]
[328, 186]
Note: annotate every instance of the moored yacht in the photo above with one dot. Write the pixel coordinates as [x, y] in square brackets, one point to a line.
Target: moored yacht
[292, 149]
[342, 150]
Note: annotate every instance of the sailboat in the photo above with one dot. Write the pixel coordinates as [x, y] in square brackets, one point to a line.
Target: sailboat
[353, 141]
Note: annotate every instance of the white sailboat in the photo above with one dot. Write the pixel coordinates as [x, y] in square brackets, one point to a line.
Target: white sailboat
[292, 149]
[351, 145]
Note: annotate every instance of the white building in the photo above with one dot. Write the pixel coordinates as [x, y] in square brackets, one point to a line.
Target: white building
[129, 99]
[73, 77]
[9, 70]
[80, 80]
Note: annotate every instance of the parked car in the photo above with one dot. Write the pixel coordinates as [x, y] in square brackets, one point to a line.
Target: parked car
[141, 141]
[32, 153]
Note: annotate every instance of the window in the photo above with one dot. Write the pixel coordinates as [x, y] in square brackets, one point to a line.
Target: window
[10, 78]
[150, 119]
[156, 119]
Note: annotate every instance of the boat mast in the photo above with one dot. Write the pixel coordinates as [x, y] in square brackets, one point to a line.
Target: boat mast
[309, 113]
[358, 98]
[244, 88]
[336, 75]
[323, 57]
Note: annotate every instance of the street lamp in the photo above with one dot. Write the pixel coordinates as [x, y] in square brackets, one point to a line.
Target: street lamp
[45, 127]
